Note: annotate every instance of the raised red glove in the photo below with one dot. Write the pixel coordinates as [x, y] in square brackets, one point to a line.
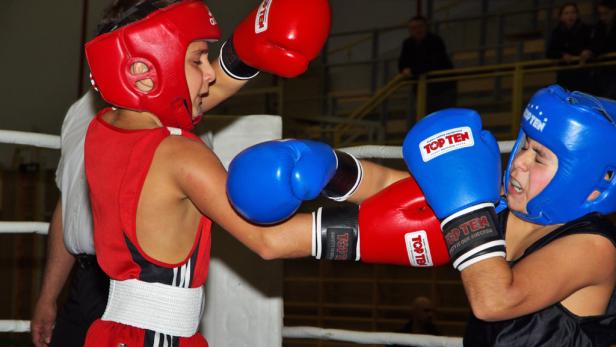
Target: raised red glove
[279, 36]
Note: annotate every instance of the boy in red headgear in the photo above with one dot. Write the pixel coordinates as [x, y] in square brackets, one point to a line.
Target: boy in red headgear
[154, 187]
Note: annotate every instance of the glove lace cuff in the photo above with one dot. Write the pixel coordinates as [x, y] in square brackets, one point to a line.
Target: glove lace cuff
[347, 178]
[232, 65]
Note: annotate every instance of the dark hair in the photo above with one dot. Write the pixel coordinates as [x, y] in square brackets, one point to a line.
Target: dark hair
[419, 18]
[122, 12]
[611, 4]
[565, 5]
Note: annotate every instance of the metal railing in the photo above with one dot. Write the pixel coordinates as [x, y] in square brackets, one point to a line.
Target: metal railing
[347, 133]
[373, 38]
[344, 130]
[381, 87]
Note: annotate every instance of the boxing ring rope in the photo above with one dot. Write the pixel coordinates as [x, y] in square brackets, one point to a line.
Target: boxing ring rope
[395, 152]
[371, 338]
[24, 227]
[371, 151]
[30, 139]
[14, 326]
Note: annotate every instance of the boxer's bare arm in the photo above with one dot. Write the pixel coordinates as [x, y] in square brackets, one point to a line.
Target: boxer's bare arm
[185, 173]
[376, 178]
[577, 270]
[222, 88]
[201, 177]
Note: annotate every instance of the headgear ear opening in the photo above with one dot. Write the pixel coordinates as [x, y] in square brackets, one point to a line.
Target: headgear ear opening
[143, 75]
[599, 193]
[579, 128]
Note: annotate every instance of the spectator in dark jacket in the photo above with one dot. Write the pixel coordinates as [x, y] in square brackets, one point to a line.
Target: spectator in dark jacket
[603, 42]
[424, 51]
[571, 39]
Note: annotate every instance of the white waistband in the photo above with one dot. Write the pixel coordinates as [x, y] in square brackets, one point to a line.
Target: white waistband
[155, 306]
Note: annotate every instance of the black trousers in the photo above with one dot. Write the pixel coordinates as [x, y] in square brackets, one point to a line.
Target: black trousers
[86, 303]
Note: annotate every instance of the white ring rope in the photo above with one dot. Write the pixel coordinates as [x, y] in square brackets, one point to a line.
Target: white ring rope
[24, 227]
[505, 146]
[395, 152]
[32, 139]
[370, 151]
[366, 338]
[359, 337]
[15, 326]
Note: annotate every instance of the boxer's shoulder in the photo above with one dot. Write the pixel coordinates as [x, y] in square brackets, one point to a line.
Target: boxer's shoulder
[183, 159]
[183, 146]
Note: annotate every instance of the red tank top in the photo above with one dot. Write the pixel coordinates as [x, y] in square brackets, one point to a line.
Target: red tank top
[117, 162]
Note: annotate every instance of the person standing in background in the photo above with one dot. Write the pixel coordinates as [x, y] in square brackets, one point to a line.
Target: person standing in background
[422, 52]
[604, 41]
[569, 40]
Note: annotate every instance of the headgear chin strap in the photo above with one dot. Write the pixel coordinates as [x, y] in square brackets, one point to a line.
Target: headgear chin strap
[580, 129]
[159, 41]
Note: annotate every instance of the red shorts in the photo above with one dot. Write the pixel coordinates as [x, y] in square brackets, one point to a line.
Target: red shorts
[112, 334]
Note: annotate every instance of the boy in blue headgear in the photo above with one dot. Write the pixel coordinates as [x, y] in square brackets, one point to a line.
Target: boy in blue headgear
[543, 271]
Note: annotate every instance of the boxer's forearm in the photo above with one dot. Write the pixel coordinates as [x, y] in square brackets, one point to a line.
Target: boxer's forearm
[489, 289]
[291, 239]
[375, 178]
[59, 261]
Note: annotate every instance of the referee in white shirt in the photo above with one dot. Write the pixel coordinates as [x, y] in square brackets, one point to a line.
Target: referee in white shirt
[70, 241]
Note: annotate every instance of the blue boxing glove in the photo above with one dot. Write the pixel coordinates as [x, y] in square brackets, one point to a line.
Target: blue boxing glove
[268, 182]
[457, 166]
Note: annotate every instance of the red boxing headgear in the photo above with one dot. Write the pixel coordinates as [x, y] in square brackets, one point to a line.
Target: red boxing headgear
[159, 41]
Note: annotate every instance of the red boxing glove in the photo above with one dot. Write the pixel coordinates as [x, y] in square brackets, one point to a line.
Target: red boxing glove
[279, 36]
[395, 226]
[398, 227]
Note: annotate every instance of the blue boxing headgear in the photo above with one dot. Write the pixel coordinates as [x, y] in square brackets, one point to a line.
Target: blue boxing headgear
[580, 129]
